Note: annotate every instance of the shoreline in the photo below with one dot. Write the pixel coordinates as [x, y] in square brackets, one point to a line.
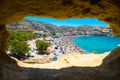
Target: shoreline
[94, 51]
[68, 60]
[82, 50]
[59, 48]
[67, 43]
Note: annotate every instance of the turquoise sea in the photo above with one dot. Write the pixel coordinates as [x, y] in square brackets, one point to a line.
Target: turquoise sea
[99, 44]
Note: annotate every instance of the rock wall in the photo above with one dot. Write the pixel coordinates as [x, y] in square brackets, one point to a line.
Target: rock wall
[106, 10]
[15, 10]
[113, 60]
[4, 36]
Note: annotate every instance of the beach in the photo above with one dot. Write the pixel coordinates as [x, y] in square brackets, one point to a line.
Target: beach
[73, 59]
[59, 47]
[64, 45]
[69, 55]
[70, 59]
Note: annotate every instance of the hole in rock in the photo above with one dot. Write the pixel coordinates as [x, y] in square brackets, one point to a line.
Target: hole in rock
[40, 40]
[50, 46]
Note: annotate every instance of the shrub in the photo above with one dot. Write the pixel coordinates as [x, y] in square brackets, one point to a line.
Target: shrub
[20, 47]
[42, 45]
[53, 33]
[21, 36]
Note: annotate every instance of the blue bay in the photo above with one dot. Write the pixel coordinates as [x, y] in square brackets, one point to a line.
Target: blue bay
[98, 44]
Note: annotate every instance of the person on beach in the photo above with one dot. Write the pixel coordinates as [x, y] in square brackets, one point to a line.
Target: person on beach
[61, 48]
[55, 57]
[64, 52]
[30, 54]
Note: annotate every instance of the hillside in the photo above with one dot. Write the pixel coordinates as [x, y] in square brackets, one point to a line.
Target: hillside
[27, 25]
[33, 25]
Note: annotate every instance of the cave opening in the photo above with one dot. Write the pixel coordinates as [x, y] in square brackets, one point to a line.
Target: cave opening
[106, 10]
[25, 33]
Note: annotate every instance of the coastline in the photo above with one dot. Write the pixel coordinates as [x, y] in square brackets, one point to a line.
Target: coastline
[60, 47]
[105, 49]
[69, 60]
[118, 44]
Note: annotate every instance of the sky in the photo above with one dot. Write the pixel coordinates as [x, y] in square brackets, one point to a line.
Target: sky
[75, 22]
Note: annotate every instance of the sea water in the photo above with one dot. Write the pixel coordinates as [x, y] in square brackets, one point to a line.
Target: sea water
[98, 44]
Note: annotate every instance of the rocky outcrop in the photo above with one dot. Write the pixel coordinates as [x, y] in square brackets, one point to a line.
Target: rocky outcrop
[113, 60]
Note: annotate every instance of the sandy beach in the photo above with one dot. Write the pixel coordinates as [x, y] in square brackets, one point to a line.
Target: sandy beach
[59, 47]
[72, 63]
[68, 56]
[73, 59]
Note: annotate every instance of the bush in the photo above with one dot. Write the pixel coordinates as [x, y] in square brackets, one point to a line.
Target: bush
[17, 43]
[21, 36]
[53, 33]
[42, 45]
[20, 47]
[44, 35]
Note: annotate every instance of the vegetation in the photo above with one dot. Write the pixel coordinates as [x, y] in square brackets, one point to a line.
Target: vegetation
[21, 36]
[53, 33]
[42, 45]
[17, 43]
[44, 35]
[30, 62]
[18, 47]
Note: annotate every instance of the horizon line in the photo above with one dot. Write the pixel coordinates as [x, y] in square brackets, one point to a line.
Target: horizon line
[73, 22]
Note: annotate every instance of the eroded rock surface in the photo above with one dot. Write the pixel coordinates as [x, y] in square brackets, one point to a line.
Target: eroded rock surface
[106, 10]
[15, 10]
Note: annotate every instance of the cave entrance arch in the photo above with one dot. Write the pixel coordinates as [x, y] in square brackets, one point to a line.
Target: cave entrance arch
[106, 10]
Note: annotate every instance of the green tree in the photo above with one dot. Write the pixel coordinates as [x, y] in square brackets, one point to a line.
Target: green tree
[18, 44]
[44, 35]
[21, 36]
[42, 45]
[20, 47]
[53, 33]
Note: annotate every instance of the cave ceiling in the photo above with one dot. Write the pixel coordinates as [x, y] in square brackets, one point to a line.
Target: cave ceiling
[105, 10]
